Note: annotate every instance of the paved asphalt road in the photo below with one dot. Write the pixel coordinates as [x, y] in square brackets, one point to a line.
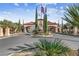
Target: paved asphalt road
[12, 42]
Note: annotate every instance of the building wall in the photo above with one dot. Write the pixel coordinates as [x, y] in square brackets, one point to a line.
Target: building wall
[32, 27]
[29, 28]
[1, 31]
[40, 24]
[7, 31]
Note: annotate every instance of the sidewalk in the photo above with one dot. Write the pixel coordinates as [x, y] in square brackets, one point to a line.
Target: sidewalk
[11, 35]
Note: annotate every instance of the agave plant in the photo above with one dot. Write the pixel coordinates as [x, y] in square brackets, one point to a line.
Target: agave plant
[49, 48]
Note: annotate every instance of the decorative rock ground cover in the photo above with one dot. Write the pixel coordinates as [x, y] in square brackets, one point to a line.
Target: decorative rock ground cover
[31, 53]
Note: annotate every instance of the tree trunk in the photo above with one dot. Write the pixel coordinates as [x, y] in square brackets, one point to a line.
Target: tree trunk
[75, 30]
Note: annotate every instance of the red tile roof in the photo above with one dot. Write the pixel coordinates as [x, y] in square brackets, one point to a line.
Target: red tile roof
[51, 23]
[32, 23]
[52, 26]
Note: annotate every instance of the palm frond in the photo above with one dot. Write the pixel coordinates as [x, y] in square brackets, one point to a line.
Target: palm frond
[72, 15]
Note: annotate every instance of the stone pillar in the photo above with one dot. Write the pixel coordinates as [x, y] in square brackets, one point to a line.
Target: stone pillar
[75, 30]
[7, 31]
[25, 30]
[40, 24]
[56, 29]
[1, 31]
[60, 29]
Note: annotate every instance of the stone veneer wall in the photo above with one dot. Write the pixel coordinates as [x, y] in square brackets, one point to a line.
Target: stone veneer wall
[7, 31]
[1, 31]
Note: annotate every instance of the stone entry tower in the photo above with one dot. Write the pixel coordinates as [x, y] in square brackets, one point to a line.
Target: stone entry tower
[40, 22]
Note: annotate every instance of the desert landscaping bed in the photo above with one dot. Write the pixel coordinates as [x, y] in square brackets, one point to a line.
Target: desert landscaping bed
[31, 53]
[45, 48]
[23, 53]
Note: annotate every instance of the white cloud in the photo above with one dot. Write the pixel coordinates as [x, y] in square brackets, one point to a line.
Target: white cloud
[16, 4]
[56, 7]
[43, 4]
[30, 11]
[6, 12]
[25, 4]
[61, 7]
[27, 10]
[38, 4]
[54, 11]
[55, 14]
[66, 6]
[1, 17]
[55, 3]
[62, 11]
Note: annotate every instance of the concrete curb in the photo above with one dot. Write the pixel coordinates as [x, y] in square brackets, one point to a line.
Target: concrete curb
[12, 35]
[42, 36]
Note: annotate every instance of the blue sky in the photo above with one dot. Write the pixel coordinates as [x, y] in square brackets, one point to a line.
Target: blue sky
[26, 11]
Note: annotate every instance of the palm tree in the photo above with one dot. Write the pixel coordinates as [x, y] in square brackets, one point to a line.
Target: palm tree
[72, 16]
[5, 24]
[68, 27]
[13, 26]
